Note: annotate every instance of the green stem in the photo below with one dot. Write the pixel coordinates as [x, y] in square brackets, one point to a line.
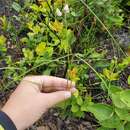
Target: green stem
[10, 68]
[93, 70]
[33, 68]
[104, 28]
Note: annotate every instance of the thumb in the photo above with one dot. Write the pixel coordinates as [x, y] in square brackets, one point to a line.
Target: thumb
[57, 97]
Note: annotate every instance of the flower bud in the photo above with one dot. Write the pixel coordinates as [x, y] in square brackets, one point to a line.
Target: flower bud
[66, 8]
[58, 12]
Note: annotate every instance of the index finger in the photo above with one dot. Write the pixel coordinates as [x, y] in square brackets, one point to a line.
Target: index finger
[51, 84]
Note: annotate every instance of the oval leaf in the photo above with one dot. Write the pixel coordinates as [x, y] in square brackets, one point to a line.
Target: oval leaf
[123, 114]
[125, 97]
[113, 122]
[101, 111]
[117, 101]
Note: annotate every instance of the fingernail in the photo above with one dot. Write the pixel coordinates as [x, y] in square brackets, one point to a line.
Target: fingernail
[73, 90]
[67, 95]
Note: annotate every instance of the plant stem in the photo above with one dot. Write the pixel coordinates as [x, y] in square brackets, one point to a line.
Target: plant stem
[104, 28]
[33, 68]
[10, 68]
[93, 70]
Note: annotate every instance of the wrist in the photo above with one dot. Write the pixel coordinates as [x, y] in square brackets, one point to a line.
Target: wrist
[6, 122]
[14, 116]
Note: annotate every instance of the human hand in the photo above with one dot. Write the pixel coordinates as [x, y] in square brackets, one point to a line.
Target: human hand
[28, 102]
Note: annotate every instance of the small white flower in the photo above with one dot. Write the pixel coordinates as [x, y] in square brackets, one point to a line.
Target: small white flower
[58, 12]
[66, 8]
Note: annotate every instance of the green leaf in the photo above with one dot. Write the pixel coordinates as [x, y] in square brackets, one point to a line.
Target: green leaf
[76, 94]
[75, 108]
[127, 126]
[36, 29]
[2, 40]
[79, 114]
[103, 86]
[67, 40]
[41, 48]
[110, 75]
[4, 22]
[64, 104]
[129, 80]
[24, 40]
[35, 8]
[84, 108]
[125, 97]
[47, 72]
[74, 14]
[120, 127]
[117, 101]
[113, 122]
[96, 55]
[128, 3]
[28, 54]
[87, 102]
[79, 100]
[49, 51]
[103, 128]
[124, 63]
[114, 89]
[123, 114]
[3, 44]
[56, 26]
[117, 20]
[16, 7]
[101, 111]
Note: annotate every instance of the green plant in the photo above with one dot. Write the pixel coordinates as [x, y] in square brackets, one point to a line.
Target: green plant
[115, 114]
[111, 8]
[4, 22]
[2, 44]
[60, 36]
